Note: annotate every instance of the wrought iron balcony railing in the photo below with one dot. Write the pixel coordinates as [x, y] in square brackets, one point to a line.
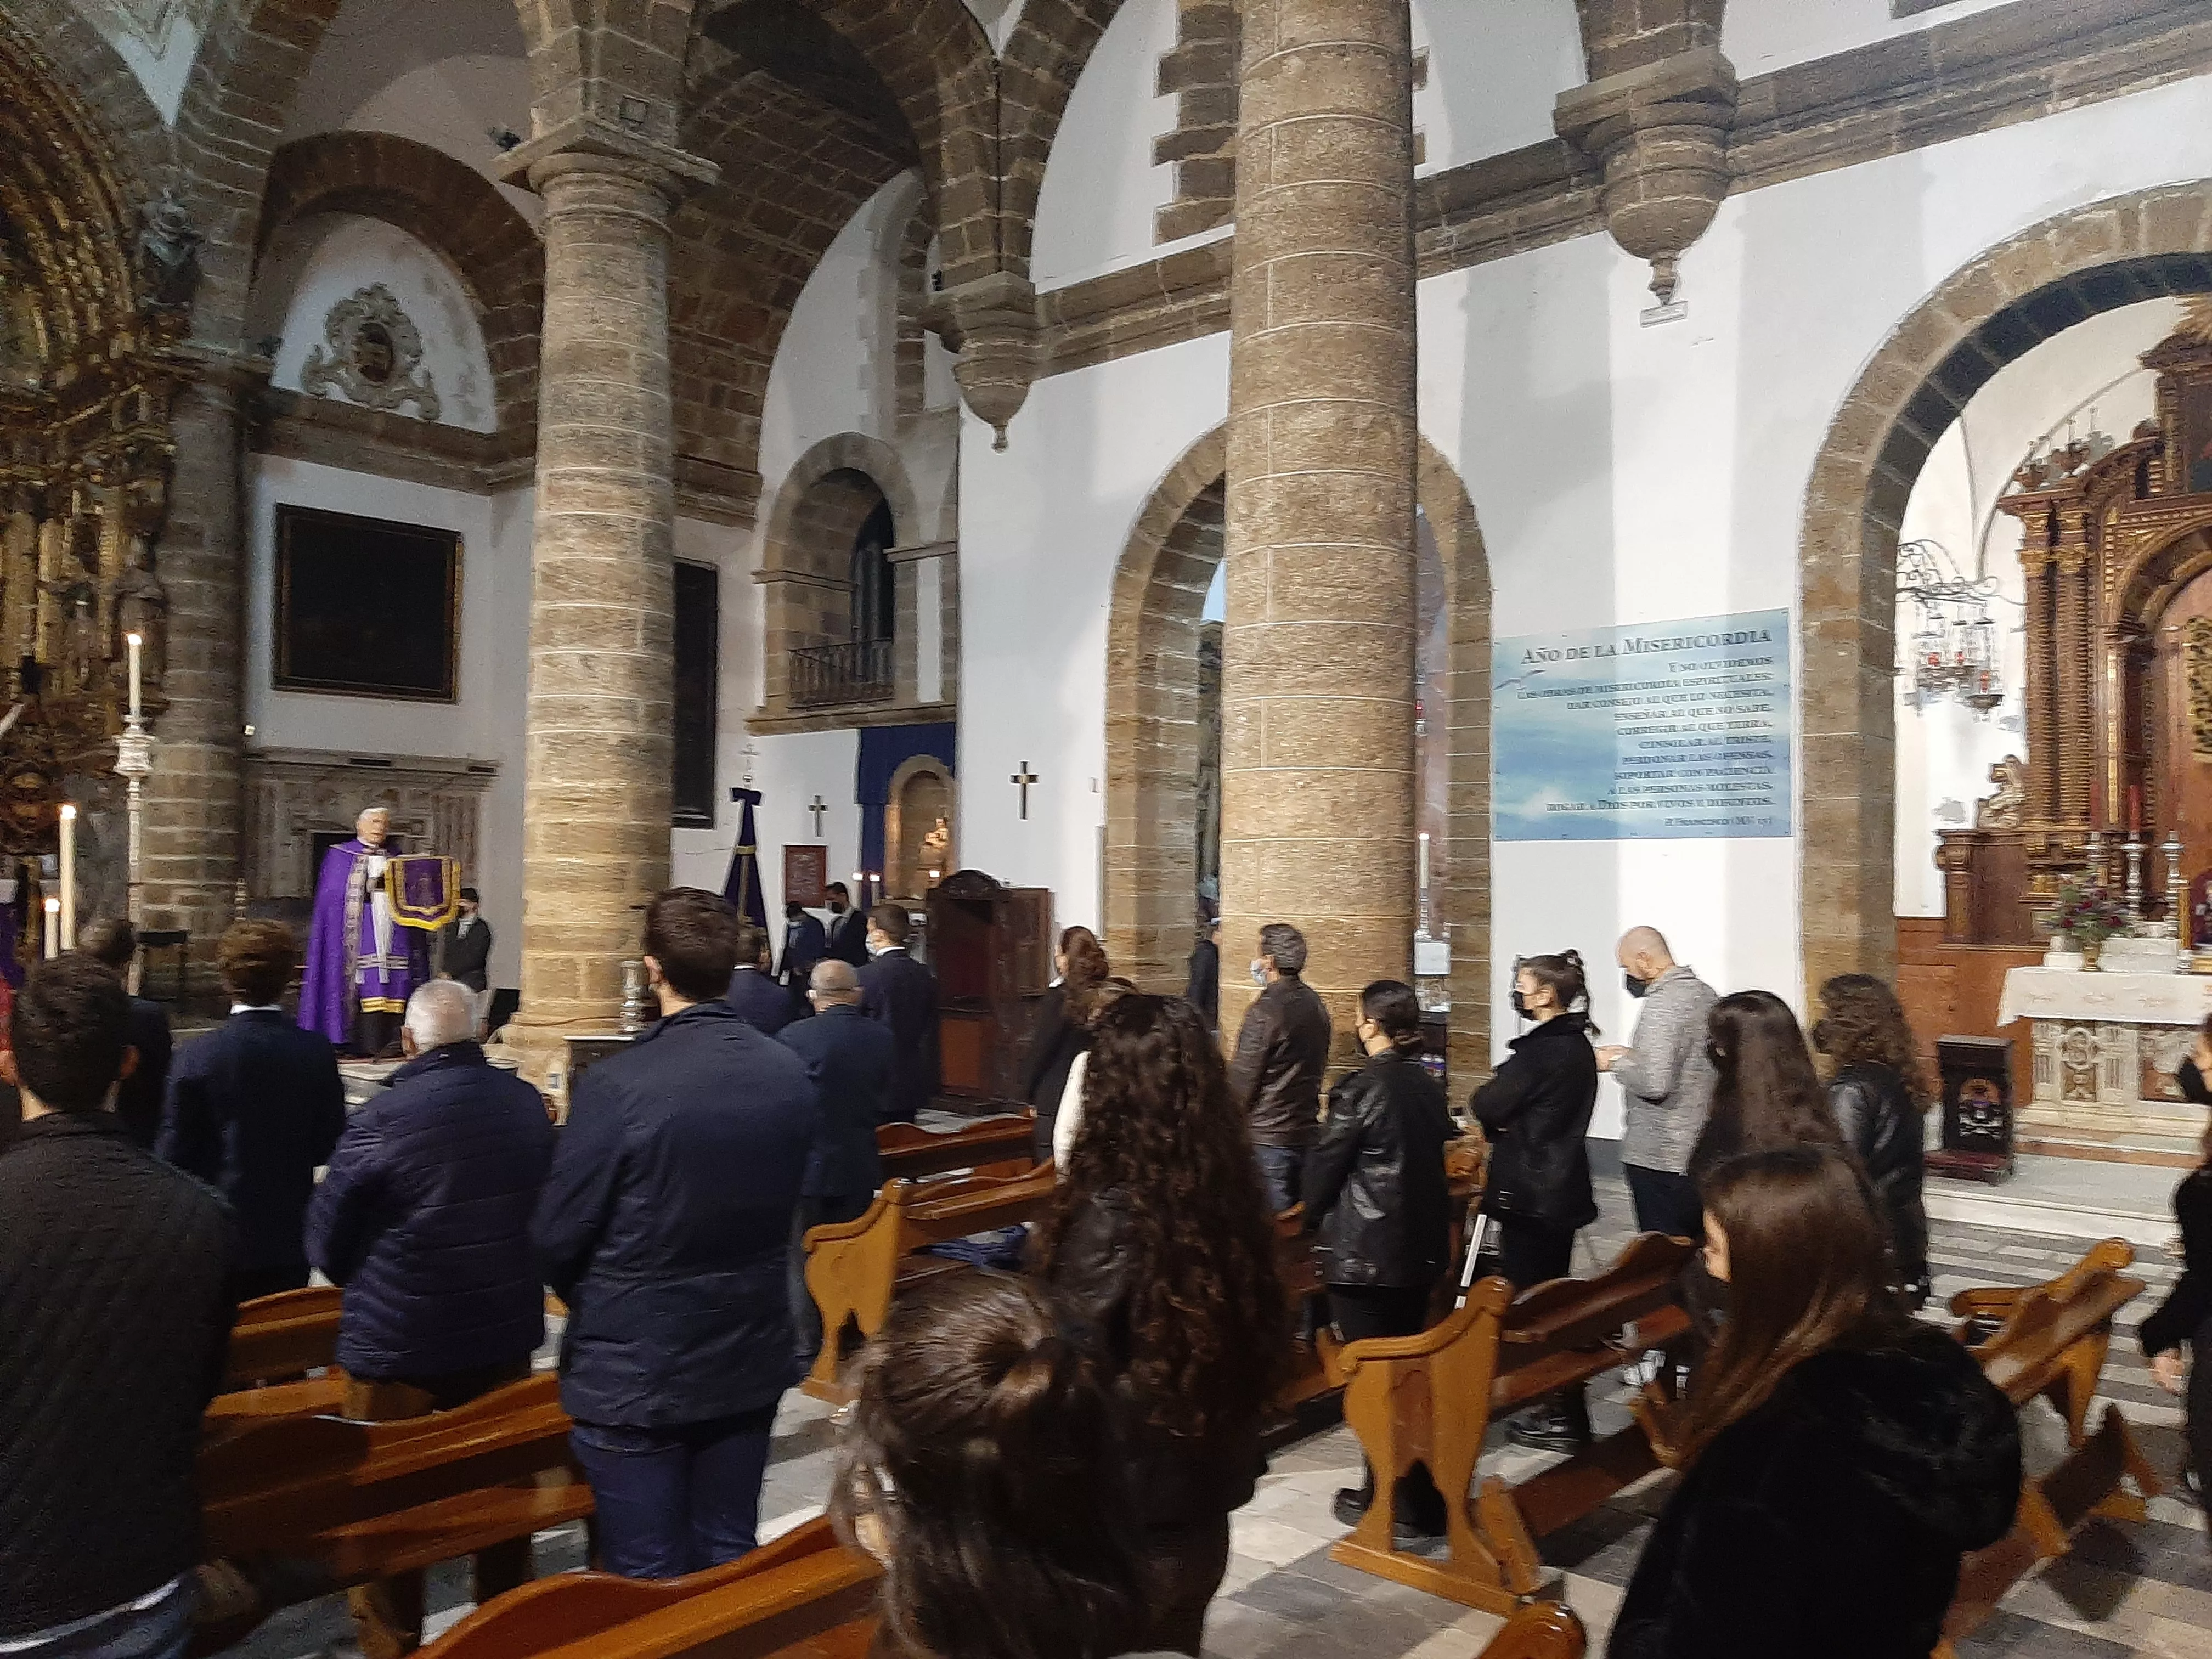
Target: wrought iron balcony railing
[858, 672]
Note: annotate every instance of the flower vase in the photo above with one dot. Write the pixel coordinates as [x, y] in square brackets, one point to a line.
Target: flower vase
[2092, 949]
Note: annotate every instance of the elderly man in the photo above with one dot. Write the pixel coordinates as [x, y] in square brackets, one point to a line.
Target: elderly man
[361, 962]
[1665, 1083]
[424, 1218]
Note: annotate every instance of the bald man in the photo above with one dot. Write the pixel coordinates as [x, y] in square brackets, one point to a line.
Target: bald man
[1665, 1083]
[850, 1057]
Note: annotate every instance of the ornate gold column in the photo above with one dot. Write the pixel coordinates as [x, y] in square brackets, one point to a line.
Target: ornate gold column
[1317, 680]
[2077, 676]
[2038, 567]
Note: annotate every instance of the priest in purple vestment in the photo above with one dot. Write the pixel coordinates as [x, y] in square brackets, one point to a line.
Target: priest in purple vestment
[362, 964]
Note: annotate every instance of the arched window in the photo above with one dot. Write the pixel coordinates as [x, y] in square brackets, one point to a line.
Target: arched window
[875, 601]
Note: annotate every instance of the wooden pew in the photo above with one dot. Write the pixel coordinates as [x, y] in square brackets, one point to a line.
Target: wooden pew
[1005, 1145]
[1411, 1400]
[277, 1339]
[2052, 1343]
[339, 1503]
[853, 1268]
[1542, 1630]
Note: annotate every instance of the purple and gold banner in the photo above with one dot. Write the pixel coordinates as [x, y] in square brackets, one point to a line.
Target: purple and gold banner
[425, 891]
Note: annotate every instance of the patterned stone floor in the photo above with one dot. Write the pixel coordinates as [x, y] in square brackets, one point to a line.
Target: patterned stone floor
[2125, 1590]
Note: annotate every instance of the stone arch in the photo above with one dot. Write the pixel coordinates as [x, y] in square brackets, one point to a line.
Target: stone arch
[900, 832]
[824, 500]
[1152, 739]
[585, 55]
[56, 33]
[449, 207]
[1989, 312]
[1038, 72]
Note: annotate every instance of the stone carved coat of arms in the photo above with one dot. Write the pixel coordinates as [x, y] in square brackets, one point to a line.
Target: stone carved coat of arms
[373, 354]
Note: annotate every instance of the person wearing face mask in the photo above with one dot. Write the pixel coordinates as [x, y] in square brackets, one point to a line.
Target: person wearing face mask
[901, 993]
[1282, 1050]
[1535, 1109]
[849, 928]
[1375, 1194]
[1880, 1095]
[1666, 1082]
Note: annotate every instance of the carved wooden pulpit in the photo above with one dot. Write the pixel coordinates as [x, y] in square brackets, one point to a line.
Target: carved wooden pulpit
[991, 946]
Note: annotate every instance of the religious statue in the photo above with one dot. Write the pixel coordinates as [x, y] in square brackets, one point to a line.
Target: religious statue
[168, 255]
[937, 849]
[368, 942]
[2007, 808]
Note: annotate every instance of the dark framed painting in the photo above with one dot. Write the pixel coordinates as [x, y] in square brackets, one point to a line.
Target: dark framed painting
[806, 876]
[2197, 436]
[698, 692]
[366, 608]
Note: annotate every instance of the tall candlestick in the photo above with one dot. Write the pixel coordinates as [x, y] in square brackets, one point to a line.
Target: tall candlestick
[1425, 860]
[53, 928]
[2135, 809]
[68, 876]
[136, 642]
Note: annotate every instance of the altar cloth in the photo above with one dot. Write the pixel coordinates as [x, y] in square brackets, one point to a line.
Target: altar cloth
[2060, 993]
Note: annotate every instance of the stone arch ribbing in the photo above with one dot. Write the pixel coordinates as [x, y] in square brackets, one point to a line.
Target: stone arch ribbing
[56, 35]
[1989, 312]
[450, 208]
[1151, 738]
[1051, 42]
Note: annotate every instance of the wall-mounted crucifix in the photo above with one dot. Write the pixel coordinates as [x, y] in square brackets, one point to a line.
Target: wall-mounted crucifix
[817, 807]
[1024, 778]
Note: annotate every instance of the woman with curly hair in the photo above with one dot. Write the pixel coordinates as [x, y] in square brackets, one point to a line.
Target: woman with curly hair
[1061, 1028]
[1878, 1093]
[1162, 1253]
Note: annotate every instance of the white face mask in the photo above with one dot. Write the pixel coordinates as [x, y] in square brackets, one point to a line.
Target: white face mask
[1259, 972]
[875, 948]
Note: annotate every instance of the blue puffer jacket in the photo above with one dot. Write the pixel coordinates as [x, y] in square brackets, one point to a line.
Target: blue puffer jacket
[424, 1218]
[666, 1221]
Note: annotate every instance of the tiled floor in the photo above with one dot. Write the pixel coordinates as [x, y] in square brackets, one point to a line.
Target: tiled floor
[2126, 1589]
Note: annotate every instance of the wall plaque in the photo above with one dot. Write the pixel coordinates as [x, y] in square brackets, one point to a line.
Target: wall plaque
[806, 876]
[1652, 731]
[366, 608]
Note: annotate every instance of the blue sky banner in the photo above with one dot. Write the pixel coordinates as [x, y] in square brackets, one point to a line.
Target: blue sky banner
[1660, 730]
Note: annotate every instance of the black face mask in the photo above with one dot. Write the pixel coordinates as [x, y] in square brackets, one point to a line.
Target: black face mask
[1633, 986]
[1520, 1006]
[1819, 1037]
[836, 907]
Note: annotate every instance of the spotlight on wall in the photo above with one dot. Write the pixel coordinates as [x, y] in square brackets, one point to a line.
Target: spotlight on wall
[505, 137]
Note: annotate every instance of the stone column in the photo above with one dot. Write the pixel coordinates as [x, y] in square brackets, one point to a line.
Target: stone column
[599, 743]
[1317, 681]
[2041, 710]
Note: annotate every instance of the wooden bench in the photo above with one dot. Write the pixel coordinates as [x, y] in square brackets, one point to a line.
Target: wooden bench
[340, 1503]
[854, 1268]
[277, 1339]
[1006, 1144]
[2052, 1344]
[1412, 1400]
[1542, 1630]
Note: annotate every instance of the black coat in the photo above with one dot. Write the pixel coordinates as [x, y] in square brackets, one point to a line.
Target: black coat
[1182, 1481]
[1056, 1039]
[465, 957]
[1881, 1125]
[424, 1218]
[760, 1001]
[665, 1223]
[850, 1058]
[139, 1101]
[1537, 1110]
[1374, 1185]
[901, 992]
[1204, 991]
[849, 939]
[2188, 1306]
[1282, 1050]
[804, 943]
[255, 1107]
[1828, 1522]
[114, 1320]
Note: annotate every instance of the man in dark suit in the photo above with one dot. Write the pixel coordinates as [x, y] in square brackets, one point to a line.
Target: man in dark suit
[665, 1226]
[1204, 992]
[759, 1000]
[805, 944]
[464, 946]
[901, 993]
[849, 1057]
[849, 928]
[255, 1107]
[112, 942]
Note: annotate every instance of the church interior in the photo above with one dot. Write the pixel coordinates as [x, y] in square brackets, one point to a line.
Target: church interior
[1536, 469]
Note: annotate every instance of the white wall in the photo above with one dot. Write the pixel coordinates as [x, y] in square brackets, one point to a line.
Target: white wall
[487, 721]
[1496, 68]
[1944, 751]
[1763, 35]
[314, 263]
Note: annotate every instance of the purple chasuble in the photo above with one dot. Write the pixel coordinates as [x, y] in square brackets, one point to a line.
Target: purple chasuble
[345, 971]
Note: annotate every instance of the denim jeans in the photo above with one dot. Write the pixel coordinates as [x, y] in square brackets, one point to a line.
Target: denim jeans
[1282, 1172]
[677, 1500]
[162, 1630]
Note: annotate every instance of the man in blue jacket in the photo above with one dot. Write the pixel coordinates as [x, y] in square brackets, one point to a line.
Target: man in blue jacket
[849, 1057]
[424, 1219]
[666, 1225]
[901, 993]
[759, 1000]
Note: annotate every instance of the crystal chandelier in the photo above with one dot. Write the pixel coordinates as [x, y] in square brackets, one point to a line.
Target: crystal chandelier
[1954, 642]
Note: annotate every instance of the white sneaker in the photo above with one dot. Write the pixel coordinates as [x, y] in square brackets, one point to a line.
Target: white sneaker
[1645, 1370]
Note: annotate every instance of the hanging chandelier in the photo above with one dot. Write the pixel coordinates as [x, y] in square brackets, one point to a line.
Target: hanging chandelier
[1953, 643]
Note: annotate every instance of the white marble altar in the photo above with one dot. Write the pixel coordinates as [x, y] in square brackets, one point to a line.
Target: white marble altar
[2106, 1046]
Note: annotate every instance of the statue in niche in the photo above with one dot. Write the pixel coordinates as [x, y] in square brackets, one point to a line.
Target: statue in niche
[2007, 808]
[168, 255]
[937, 849]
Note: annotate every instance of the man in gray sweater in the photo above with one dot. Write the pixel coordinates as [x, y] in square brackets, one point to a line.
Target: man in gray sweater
[1666, 1084]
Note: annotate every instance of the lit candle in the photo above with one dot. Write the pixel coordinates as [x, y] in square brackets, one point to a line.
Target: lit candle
[68, 876]
[1425, 860]
[136, 642]
[53, 927]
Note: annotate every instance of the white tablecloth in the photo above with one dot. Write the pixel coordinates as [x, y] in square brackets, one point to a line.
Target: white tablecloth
[2123, 999]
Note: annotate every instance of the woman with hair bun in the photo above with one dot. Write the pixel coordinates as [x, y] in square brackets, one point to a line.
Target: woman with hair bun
[1061, 1028]
[1535, 1109]
[983, 1467]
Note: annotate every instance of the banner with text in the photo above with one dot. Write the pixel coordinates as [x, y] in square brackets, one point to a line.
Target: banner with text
[1658, 731]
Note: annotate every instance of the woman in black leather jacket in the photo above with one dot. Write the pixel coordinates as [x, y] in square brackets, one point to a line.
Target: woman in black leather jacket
[1879, 1099]
[2186, 1316]
[1535, 1109]
[1375, 1194]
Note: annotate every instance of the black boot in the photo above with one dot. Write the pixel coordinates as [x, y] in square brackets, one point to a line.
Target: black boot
[1559, 1424]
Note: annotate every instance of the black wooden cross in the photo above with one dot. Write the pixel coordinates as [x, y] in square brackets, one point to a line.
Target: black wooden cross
[1024, 778]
